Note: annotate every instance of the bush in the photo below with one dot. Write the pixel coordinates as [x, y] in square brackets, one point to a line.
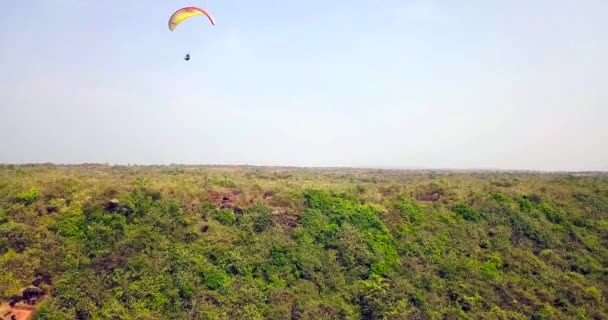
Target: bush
[533, 198]
[522, 226]
[545, 312]
[15, 236]
[30, 196]
[260, 217]
[3, 217]
[224, 216]
[594, 294]
[9, 285]
[553, 215]
[525, 205]
[409, 210]
[467, 212]
[492, 267]
[500, 197]
[214, 279]
[379, 299]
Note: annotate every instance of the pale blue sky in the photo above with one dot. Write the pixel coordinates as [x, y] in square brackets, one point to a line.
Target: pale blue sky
[408, 83]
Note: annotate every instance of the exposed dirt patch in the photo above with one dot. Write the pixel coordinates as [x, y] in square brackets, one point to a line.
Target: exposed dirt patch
[288, 221]
[193, 207]
[218, 197]
[429, 193]
[15, 313]
[227, 200]
[428, 197]
[22, 306]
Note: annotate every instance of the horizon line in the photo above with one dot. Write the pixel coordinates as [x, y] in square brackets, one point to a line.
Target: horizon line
[343, 167]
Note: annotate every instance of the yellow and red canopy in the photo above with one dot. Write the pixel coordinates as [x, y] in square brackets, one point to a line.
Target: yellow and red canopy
[182, 14]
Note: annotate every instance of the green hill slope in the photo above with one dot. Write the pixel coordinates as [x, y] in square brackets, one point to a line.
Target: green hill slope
[182, 242]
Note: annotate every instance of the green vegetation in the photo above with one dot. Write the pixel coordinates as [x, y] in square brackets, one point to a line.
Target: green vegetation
[180, 242]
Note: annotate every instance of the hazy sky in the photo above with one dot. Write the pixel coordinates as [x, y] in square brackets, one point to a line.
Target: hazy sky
[441, 84]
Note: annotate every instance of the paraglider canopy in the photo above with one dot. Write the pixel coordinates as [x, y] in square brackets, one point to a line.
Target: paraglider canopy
[182, 14]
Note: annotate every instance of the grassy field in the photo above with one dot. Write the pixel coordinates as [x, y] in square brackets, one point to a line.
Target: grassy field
[189, 242]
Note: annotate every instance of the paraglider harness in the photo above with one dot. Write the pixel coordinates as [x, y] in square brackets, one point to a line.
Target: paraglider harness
[187, 58]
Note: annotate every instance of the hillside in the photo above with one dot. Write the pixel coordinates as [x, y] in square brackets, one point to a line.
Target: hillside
[188, 242]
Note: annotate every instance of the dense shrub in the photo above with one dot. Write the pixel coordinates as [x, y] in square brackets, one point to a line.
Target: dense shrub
[224, 216]
[30, 196]
[467, 212]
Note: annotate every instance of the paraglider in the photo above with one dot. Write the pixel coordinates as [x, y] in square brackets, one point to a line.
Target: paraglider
[185, 13]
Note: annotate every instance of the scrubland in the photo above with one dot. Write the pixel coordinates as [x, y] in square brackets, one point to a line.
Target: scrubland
[203, 242]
